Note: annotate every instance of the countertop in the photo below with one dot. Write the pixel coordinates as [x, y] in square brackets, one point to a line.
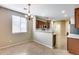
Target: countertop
[45, 31]
[73, 36]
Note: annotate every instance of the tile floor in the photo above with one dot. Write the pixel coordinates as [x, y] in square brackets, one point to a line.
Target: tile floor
[32, 48]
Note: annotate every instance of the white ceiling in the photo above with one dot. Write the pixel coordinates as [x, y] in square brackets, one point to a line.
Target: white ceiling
[47, 10]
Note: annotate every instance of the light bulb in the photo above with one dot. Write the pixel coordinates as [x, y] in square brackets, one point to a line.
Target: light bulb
[29, 14]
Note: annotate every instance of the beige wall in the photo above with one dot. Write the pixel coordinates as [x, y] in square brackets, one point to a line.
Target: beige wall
[6, 36]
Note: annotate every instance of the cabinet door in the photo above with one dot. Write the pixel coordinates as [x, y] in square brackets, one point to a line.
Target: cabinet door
[73, 45]
[77, 17]
[37, 24]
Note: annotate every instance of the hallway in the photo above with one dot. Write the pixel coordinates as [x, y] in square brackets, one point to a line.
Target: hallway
[61, 29]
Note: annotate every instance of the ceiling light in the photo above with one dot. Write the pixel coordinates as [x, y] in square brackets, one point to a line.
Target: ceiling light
[28, 15]
[63, 11]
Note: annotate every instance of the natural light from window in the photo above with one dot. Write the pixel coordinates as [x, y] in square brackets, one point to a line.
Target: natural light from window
[19, 24]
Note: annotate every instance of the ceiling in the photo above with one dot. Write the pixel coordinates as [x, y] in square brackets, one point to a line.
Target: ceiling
[56, 11]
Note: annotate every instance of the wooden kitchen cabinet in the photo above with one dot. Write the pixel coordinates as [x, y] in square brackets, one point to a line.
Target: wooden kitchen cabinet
[39, 24]
[42, 23]
[73, 45]
[77, 17]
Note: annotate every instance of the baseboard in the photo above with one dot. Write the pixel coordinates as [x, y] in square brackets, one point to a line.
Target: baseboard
[14, 44]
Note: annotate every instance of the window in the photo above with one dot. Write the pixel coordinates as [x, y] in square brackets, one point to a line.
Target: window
[19, 24]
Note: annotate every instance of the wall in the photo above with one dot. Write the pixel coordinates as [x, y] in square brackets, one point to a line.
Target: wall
[6, 36]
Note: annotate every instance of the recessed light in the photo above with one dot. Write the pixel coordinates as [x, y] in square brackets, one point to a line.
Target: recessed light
[63, 11]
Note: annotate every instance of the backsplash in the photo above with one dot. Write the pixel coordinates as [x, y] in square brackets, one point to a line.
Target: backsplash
[73, 30]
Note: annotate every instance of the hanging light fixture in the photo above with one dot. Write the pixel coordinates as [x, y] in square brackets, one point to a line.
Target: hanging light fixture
[28, 15]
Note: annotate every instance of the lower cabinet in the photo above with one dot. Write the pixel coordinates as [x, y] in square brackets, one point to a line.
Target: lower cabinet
[73, 45]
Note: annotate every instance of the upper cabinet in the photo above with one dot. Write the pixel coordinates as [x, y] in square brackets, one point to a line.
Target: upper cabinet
[42, 23]
[77, 17]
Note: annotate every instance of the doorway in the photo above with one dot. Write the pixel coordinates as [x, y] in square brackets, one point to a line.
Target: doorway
[61, 30]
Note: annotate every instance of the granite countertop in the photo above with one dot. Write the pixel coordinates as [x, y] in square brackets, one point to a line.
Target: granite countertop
[73, 36]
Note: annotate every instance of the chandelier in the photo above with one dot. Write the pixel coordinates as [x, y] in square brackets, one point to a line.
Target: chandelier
[28, 15]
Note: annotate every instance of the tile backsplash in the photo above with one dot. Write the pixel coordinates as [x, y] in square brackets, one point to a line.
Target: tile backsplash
[73, 30]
